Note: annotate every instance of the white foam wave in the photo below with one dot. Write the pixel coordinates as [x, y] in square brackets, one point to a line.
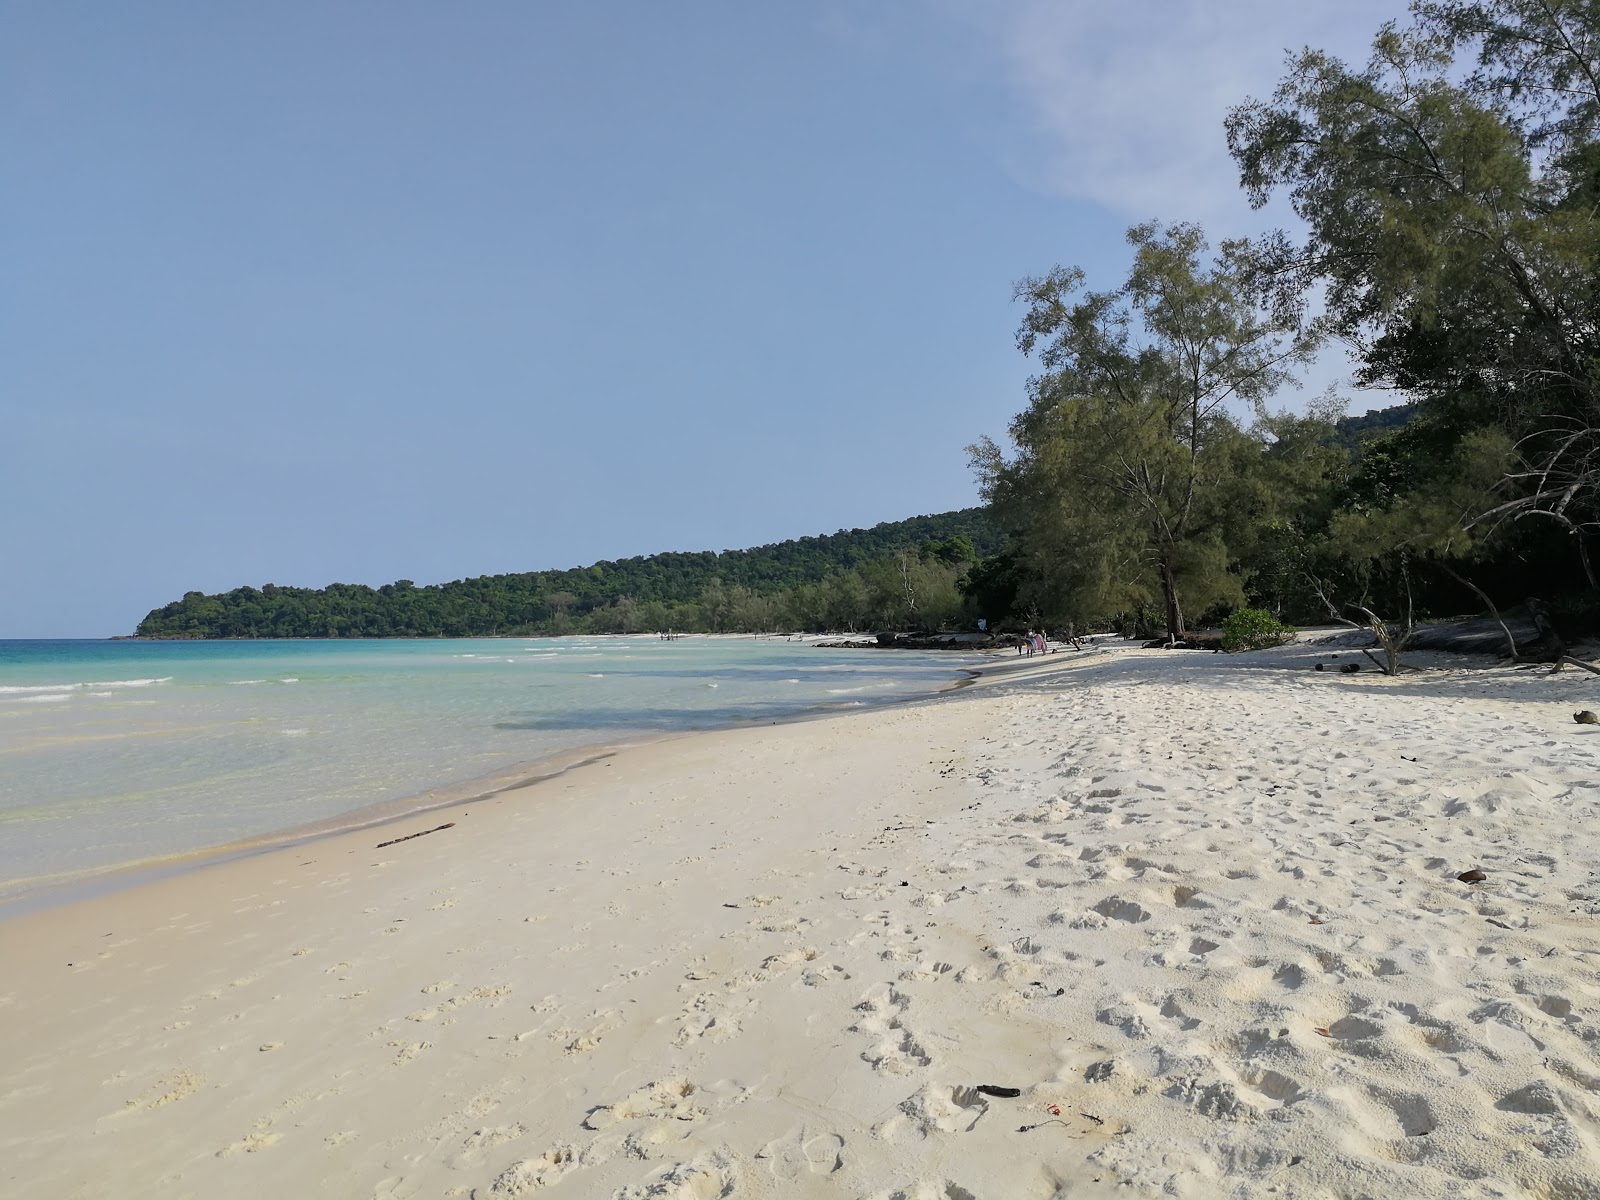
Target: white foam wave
[845, 691]
[243, 682]
[291, 679]
[43, 699]
[40, 689]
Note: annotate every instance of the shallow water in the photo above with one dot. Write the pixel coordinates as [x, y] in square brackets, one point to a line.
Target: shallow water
[114, 753]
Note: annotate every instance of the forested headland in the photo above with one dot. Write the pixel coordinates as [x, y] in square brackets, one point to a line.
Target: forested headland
[900, 574]
[1447, 197]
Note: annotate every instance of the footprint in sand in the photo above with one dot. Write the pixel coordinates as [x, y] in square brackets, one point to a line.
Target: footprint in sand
[531, 1174]
[927, 1189]
[486, 1138]
[669, 1099]
[897, 1051]
[796, 1154]
[407, 1051]
[252, 1144]
[936, 1108]
[168, 1090]
[707, 1175]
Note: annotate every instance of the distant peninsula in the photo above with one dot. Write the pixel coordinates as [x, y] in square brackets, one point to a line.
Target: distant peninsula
[898, 573]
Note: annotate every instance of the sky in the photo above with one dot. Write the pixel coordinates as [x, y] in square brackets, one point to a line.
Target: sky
[354, 291]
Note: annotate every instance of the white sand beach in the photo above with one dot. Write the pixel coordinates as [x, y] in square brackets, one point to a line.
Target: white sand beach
[1201, 911]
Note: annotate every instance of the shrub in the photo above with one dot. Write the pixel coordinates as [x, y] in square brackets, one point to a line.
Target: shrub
[1254, 629]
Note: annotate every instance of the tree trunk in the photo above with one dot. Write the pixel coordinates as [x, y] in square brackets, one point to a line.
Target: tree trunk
[1169, 588]
[1551, 646]
[1511, 642]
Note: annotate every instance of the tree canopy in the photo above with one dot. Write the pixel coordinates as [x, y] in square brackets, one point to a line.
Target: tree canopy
[1449, 187]
[1133, 467]
[1448, 190]
[899, 574]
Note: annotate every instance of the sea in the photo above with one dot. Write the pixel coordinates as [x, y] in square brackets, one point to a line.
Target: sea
[150, 755]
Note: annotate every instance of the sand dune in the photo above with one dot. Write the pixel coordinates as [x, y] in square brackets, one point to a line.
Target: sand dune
[1200, 911]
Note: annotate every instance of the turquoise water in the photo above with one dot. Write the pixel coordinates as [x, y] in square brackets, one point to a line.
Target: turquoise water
[113, 753]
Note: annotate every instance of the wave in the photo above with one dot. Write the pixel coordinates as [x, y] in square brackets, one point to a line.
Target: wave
[45, 688]
[243, 682]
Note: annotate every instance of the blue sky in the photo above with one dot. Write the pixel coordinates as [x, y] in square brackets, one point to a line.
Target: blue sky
[314, 292]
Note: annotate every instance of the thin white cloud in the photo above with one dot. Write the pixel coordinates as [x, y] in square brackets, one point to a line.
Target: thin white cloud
[1126, 98]
[1126, 101]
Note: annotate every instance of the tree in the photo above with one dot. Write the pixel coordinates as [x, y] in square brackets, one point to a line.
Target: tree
[991, 587]
[716, 603]
[1451, 229]
[956, 551]
[1130, 447]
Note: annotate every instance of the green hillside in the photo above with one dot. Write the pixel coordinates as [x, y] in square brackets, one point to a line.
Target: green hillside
[1352, 432]
[900, 573]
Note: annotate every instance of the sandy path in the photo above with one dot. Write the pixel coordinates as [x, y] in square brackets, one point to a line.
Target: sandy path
[1206, 907]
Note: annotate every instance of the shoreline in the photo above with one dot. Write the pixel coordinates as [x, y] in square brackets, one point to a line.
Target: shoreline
[1193, 921]
[35, 894]
[106, 881]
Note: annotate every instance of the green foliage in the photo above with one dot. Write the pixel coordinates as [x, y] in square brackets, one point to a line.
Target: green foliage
[1448, 188]
[991, 587]
[1134, 477]
[896, 575]
[954, 551]
[1254, 629]
[1351, 433]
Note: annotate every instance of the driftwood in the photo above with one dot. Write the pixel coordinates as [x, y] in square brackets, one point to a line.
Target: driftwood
[1194, 641]
[409, 836]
